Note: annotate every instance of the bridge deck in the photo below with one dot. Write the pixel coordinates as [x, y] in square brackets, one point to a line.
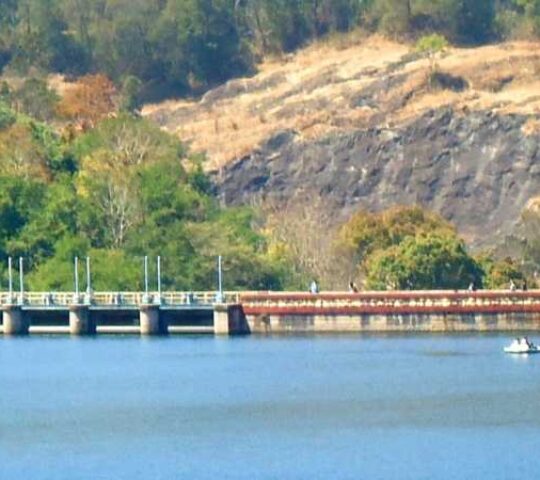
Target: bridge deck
[116, 300]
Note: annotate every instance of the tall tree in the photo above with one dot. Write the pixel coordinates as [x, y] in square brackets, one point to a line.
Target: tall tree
[8, 22]
[474, 20]
[43, 39]
[395, 15]
[200, 42]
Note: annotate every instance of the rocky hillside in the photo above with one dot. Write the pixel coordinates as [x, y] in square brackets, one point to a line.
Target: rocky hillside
[361, 123]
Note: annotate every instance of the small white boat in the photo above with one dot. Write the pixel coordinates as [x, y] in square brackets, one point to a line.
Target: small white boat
[522, 345]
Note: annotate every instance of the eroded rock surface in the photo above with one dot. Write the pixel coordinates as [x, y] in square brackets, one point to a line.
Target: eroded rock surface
[478, 169]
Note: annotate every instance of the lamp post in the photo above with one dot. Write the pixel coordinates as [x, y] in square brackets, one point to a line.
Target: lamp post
[159, 278]
[21, 279]
[88, 277]
[10, 280]
[146, 296]
[88, 296]
[219, 296]
[76, 271]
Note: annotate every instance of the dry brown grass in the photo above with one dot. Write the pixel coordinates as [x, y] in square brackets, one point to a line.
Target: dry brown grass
[294, 102]
[532, 127]
[314, 92]
[60, 84]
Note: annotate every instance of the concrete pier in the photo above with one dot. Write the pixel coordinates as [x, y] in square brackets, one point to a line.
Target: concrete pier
[151, 322]
[229, 320]
[15, 321]
[221, 320]
[81, 321]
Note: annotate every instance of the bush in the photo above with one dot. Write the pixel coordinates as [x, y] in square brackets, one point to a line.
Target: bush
[7, 116]
[446, 81]
[499, 273]
[432, 45]
[36, 99]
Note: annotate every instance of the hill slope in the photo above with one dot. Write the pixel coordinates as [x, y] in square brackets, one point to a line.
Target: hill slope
[358, 123]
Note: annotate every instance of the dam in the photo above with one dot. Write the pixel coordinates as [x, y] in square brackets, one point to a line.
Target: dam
[267, 313]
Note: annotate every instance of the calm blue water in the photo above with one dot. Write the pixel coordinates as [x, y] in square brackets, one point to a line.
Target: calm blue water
[267, 408]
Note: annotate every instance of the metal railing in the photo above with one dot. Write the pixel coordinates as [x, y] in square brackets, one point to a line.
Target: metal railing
[392, 302]
[115, 299]
[367, 301]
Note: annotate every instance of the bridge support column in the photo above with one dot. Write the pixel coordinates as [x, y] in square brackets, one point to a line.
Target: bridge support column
[15, 320]
[229, 320]
[151, 322]
[81, 321]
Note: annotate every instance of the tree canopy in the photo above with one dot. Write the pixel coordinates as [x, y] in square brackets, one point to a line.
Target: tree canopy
[408, 248]
[118, 191]
[160, 47]
[423, 262]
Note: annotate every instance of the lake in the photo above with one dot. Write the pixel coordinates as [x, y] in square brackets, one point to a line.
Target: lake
[358, 407]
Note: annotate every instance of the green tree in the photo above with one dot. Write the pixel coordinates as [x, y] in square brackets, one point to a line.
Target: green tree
[230, 233]
[423, 262]
[394, 16]
[335, 15]
[366, 232]
[433, 46]
[115, 270]
[114, 157]
[130, 94]
[54, 220]
[112, 270]
[500, 273]
[56, 272]
[121, 39]
[199, 42]
[8, 22]
[36, 99]
[287, 23]
[531, 10]
[7, 116]
[21, 154]
[474, 20]
[19, 198]
[42, 39]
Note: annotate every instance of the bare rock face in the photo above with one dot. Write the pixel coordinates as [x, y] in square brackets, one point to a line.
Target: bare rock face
[370, 124]
[478, 169]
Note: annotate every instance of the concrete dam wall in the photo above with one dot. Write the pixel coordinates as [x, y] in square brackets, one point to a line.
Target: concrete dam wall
[392, 312]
